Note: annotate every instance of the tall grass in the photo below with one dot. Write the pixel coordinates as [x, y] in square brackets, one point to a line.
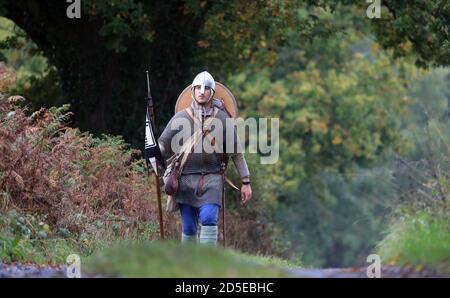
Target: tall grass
[421, 240]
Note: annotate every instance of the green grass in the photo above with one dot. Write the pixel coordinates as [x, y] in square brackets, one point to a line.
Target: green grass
[170, 259]
[273, 261]
[26, 239]
[43, 252]
[422, 239]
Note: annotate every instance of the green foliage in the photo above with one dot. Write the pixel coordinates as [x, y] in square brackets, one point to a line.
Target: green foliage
[122, 20]
[332, 118]
[340, 102]
[419, 239]
[419, 27]
[249, 32]
[34, 78]
[27, 238]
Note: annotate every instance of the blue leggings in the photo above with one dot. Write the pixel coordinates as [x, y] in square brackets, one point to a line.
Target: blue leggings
[208, 214]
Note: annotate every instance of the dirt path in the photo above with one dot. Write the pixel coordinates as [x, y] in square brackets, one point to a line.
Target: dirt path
[17, 270]
[386, 272]
[37, 271]
[30, 270]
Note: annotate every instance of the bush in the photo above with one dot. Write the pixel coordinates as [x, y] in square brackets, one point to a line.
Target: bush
[421, 239]
[72, 177]
[27, 238]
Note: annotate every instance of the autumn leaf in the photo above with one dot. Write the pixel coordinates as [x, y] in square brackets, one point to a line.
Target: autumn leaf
[202, 43]
[336, 140]
[18, 179]
[316, 148]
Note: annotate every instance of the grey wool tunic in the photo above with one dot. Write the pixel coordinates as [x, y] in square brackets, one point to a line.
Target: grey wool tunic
[201, 181]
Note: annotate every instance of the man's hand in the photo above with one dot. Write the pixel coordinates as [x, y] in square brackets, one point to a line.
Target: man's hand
[246, 193]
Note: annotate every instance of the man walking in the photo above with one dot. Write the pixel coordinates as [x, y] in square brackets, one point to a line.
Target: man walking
[200, 190]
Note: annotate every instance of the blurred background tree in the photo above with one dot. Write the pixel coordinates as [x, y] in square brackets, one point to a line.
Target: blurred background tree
[339, 99]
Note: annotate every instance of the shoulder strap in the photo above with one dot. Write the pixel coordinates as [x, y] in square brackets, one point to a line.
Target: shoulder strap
[195, 137]
[207, 122]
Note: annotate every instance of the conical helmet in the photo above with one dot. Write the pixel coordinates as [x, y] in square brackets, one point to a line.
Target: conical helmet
[204, 79]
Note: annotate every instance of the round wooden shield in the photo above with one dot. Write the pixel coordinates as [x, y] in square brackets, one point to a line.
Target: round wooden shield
[222, 93]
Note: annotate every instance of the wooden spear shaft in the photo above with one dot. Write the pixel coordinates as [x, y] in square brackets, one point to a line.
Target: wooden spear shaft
[158, 187]
[158, 193]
